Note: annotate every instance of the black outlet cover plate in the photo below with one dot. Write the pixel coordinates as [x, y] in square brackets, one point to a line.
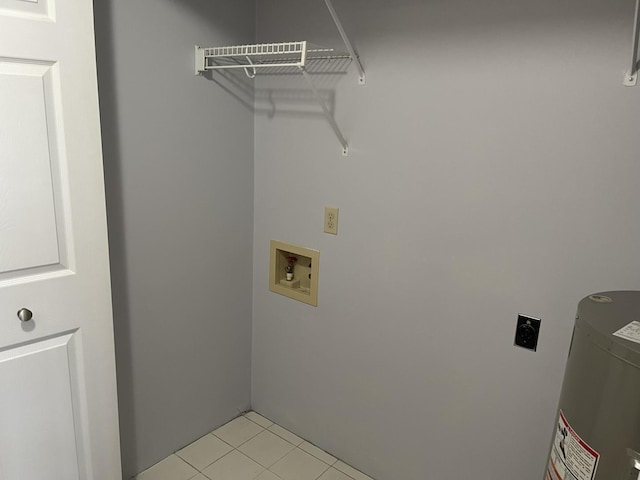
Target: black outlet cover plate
[527, 332]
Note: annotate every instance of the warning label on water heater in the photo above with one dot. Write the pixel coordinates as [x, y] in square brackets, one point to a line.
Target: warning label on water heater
[630, 332]
[571, 458]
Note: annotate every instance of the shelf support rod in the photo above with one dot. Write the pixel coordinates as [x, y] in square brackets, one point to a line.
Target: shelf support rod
[362, 79]
[327, 113]
[631, 78]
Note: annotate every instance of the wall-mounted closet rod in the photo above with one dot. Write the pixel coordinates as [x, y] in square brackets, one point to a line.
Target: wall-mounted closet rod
[327, 113]
[362, 79]
[631, 78]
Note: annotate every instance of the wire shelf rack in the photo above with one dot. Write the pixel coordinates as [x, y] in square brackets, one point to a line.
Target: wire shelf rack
[272, 58]
[285, 58]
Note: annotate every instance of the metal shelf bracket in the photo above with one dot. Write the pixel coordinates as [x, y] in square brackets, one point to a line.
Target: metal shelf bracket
[631, 77]
[362, 80]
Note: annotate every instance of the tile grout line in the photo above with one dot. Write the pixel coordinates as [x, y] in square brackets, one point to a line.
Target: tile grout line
[297, 446]
[187, 461]
[286, 432]
[332, 465]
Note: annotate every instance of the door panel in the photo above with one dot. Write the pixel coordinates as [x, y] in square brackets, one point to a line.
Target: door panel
[27, 8]
[36, 383]
[29, 129]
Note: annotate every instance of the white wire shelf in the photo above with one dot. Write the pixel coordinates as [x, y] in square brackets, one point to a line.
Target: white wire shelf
[264, 58]
[285, 58]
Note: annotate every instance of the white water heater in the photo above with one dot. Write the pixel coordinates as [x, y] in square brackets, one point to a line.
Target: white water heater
[597, 432]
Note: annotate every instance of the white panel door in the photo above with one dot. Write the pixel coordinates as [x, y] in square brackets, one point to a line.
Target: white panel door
[58, 410]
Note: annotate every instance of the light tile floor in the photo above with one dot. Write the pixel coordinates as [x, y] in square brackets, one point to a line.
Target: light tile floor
[251, 447]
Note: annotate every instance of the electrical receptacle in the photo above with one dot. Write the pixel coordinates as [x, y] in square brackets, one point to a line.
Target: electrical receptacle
[331, 220]
[527, 332]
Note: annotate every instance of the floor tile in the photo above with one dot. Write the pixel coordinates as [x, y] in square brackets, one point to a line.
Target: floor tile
[333, 474]
[171, 468]
[349, 470]
[238, 431]
[259, 419]
[266, 448]
[267, 475]
[299, 465]
[286, 434]
[234, 466]
[318, 453]
[205, 451]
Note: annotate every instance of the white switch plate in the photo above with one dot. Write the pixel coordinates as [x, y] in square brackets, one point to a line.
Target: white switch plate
[331, 220]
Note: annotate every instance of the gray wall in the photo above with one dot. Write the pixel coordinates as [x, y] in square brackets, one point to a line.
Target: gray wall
[494, 170]
[179, 175]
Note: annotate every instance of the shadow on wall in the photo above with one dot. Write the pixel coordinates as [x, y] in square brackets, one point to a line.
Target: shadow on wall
[288, 95]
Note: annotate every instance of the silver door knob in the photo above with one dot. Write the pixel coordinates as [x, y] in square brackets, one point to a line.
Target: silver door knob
[24, 314]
